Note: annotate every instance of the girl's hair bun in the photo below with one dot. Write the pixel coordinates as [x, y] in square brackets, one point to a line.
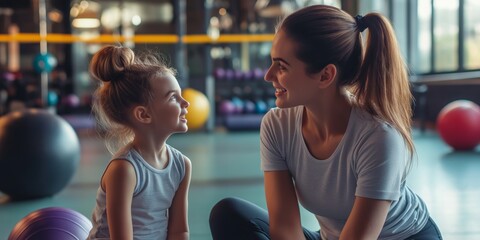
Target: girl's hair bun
[110, 63]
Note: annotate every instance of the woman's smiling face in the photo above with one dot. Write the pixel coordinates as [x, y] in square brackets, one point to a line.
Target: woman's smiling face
[293, 86]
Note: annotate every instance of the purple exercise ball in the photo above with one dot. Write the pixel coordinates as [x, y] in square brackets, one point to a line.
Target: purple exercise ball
[52, 223]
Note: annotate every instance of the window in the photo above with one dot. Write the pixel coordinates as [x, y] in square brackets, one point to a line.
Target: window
[435, 36]
[445, 33]
[472, 35]
[424, 40]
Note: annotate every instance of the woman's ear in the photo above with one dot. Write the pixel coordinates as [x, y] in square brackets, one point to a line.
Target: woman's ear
[327, 75]
[141, 114]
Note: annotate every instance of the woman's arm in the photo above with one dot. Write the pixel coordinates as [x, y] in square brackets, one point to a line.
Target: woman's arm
[178, 212]
[366, 219]
[119, 182]
[283, 210]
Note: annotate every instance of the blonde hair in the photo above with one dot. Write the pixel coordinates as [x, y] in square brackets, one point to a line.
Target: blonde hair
[123, 82]
[378, 80]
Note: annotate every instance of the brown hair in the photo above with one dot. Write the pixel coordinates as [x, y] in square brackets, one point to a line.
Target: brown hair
[379, 80]
[124, 82]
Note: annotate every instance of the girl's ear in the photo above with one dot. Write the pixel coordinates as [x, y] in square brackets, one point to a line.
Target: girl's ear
[141, 114]
[327, 75]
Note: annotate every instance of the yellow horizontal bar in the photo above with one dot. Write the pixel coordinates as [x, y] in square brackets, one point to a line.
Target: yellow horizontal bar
[67, 38]
[58, 38]
[143, 38]
[24, 37]
[155, 38]
[230, 38]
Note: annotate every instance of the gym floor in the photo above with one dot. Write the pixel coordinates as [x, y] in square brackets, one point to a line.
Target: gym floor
[227, 164]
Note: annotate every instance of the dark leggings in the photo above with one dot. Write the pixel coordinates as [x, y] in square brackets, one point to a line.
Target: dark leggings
[234, 218]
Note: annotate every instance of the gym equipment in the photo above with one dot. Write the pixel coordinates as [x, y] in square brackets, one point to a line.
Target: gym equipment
[52, 98]
[458, 124]
[244, 122]
[71, 100]
[239, 104]
[229, 74]
[271, 103]
[247, 75]
[39, 154]
[258, 74]
[198, 110]
[238, 74]
[44, 62]
[249, 106]
[52, 223]
[219, 73]
[226, 107]
[261, 107]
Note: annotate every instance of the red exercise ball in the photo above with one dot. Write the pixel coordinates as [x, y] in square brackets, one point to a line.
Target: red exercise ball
[458, 124]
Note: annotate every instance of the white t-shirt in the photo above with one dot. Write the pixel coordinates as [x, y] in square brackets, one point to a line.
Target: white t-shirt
[369, 161]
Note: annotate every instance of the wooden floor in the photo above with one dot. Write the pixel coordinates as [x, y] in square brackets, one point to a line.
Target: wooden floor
[227, 164]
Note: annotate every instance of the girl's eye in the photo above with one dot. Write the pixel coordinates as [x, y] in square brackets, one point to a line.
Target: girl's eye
[281, 67]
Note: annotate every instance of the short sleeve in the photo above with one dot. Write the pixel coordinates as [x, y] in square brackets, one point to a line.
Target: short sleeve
[381, 164]
[272, 157]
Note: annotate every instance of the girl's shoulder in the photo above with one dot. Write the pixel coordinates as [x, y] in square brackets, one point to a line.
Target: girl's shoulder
[178, 157]
[125, 152]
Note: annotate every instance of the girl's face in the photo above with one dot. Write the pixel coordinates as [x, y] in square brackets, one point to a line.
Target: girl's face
[168, 106]
[293, 86]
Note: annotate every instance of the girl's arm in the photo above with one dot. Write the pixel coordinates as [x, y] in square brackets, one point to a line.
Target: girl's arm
[178, 212]
[119, 182]
[282, 203]
[366, 219]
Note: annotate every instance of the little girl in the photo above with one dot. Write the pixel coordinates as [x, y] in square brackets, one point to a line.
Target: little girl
[138, 105]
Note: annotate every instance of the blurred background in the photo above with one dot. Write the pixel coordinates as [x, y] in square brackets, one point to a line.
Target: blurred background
[221, 49]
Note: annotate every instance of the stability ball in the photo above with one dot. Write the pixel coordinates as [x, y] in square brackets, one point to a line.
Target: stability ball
[198, 110]
[39, 154]
[52, 223]
[458, 124]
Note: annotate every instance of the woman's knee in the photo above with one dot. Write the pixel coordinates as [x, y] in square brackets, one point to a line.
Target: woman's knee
[235, 218]
[227, 207]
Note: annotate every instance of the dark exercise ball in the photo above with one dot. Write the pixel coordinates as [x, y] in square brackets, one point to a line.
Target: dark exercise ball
[39, 154]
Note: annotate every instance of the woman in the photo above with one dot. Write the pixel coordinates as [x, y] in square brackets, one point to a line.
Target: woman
[339, 142]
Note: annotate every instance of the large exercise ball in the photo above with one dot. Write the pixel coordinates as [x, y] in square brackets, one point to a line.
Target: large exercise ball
[39, 154]
[458, 124]
[198, 110]
[52, 223]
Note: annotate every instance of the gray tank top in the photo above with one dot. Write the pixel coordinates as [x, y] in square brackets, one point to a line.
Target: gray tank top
[152, 197]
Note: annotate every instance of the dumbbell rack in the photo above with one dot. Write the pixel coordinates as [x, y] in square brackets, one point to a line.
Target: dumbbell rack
[241, 99]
